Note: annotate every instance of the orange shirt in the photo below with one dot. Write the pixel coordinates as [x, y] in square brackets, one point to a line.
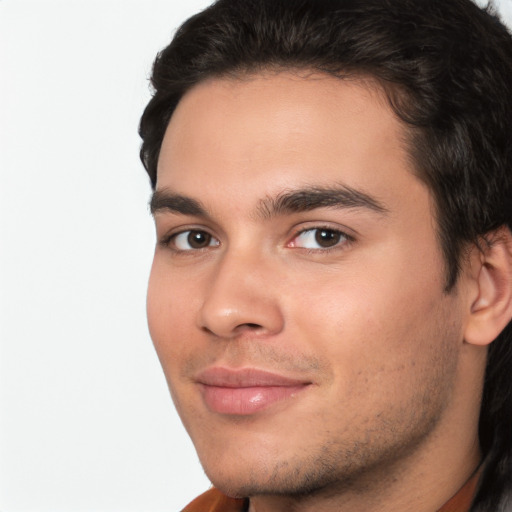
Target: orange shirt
[214, 501]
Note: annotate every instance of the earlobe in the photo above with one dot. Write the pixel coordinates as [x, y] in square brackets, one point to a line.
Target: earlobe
[491, 310]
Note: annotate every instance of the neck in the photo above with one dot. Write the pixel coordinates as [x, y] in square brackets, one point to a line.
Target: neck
[399, 489]
[423, 480]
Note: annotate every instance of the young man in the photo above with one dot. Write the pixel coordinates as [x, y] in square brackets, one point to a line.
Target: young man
[331, 293]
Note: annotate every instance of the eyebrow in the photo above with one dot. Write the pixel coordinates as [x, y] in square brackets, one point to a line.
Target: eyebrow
[164, 200]
[311, 198]
[293, 201]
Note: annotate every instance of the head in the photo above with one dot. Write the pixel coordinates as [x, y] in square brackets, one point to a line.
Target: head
[438, 80]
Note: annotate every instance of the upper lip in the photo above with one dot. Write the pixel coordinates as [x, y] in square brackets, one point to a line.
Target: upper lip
[245, 378]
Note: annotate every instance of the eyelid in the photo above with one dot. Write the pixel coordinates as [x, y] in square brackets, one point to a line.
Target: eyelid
[345, 237]
[167, 239]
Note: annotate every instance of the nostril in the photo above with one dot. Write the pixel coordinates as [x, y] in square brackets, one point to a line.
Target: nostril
[225, 315]
[242, 327]
[237, 331]
[248, 327]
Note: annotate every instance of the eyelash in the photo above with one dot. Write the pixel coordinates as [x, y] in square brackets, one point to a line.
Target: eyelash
[167, 241]
[345, 239]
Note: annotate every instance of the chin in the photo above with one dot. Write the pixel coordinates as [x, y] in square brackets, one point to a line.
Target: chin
[242, 477]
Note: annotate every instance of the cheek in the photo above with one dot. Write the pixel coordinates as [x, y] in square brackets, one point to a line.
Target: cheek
[157, 305]
[168, 313]
[374, 323]
[168, 310]
[384, 360]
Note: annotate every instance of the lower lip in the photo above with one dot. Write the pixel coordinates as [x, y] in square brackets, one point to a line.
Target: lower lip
[246, 401]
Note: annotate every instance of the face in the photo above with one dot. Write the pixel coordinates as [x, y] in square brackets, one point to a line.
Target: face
[296, 296]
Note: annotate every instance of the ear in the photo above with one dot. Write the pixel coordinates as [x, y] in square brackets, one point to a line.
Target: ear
[491, 306]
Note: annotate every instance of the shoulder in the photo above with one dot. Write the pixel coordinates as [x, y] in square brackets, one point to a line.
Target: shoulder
[214, 501]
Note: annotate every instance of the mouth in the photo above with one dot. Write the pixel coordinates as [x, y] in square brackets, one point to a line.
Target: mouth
[246, 391]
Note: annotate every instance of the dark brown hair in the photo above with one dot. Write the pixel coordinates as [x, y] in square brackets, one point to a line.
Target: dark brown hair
[446, 66]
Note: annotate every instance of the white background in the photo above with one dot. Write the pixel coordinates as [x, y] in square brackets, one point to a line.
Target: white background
[86, 422]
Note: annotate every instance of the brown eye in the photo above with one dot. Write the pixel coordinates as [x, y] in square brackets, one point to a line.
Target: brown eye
[319, 238]
[193, 239]
[198, 239]
[327, 237]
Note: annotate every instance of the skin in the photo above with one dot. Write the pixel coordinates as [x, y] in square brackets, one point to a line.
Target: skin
[389, 418]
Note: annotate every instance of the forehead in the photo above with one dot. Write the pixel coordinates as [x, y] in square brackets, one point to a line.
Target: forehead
[270, 132]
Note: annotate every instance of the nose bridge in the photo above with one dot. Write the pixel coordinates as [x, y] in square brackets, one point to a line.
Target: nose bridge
[241, 296]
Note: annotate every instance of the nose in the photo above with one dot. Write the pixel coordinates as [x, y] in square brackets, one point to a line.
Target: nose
[241, 299]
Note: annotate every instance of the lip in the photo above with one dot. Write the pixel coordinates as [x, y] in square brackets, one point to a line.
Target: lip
[246, 391]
